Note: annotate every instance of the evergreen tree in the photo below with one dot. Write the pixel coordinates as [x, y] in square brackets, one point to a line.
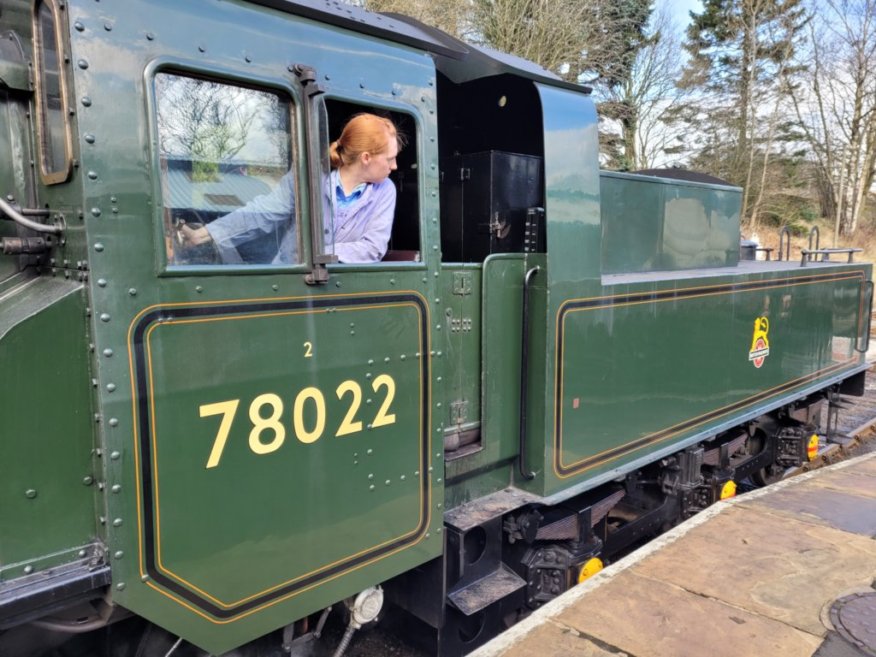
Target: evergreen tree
[617, 37]
[738, 69]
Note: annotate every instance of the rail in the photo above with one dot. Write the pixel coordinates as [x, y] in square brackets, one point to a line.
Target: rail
[814, 233]
[806, 254]
[785, 244]
[869, 332]
[525, 472]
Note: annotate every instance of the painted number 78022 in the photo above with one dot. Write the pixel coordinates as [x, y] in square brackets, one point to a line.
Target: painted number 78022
[268, 431]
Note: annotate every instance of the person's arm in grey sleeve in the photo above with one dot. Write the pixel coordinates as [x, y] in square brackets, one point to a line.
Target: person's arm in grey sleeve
[371, 247]
[258, 217]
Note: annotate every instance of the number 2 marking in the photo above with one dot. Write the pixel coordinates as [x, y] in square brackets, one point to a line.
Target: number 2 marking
[383, 417]
[348, 426]
[308, 350]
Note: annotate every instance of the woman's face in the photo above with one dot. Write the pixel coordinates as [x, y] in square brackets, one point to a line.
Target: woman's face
[376, 168]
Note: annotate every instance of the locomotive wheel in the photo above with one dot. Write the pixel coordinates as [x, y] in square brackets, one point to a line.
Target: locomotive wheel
[768, 475]
[771, 473]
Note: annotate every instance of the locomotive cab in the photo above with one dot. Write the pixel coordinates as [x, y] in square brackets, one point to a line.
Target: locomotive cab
[215, 445]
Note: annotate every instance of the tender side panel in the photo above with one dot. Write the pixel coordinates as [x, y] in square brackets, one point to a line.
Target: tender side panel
[46, 475]
[638, 370]
[655, 224]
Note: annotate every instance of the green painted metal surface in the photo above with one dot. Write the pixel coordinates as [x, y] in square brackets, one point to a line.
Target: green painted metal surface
[490, 469]
[315, 435]
[12, 169]
[461, 292]
[264, 448]
[47, 482]
[657, 224]
[649, 364]
[226, 553]
[17, 16]
[15, 128]
[571, 173]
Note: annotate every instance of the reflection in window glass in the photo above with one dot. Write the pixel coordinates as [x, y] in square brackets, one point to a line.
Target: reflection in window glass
[53, 126]
[225, 157]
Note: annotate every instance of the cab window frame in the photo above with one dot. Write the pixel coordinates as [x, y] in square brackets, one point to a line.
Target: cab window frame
[289, 92]
[415, 141]
[61, 174]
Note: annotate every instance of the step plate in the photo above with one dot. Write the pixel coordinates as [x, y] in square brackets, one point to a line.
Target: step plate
[485, 591]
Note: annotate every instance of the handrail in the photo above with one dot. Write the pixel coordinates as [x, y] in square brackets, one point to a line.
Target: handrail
[524, 375]
[814, 232]
[806, 254]
[313, 91]
[867, 329]
[782, 242]
[18, 217]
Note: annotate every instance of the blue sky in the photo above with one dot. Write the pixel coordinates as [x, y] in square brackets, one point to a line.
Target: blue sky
[680, 9]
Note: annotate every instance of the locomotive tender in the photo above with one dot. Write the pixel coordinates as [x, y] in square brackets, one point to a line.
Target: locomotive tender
[551, 364]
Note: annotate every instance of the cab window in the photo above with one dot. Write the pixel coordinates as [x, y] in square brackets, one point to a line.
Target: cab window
[347, 233]
[227, 173]
[52, 126]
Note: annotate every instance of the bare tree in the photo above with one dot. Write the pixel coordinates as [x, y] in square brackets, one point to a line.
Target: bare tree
[451, 16]
[737, 48]
[837, 107]
[642, 101]
[781, 33]
[204, 121]
[552, 33]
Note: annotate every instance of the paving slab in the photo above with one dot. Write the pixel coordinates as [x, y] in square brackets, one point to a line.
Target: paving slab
[658, 619]
[860, 483]
[780, 568]
[555, 640]
[752, 576]
[845, 510]
[867, 466]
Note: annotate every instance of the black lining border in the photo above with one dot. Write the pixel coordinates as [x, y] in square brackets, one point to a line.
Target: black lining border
[161, 314]
[669, 295]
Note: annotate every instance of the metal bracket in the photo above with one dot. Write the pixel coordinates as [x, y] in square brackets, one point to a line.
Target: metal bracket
[462, 283]
[458, 411]
[307, 77]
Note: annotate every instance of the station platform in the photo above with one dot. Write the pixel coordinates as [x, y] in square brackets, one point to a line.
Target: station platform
[784, 571]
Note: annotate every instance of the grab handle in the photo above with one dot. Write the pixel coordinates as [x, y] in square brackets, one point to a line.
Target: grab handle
[866, 346]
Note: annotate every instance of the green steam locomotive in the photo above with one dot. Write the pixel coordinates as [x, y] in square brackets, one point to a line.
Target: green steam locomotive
[550, 364]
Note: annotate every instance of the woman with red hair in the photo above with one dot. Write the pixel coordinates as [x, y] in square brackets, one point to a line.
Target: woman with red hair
[362, 196]
[359, 193]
